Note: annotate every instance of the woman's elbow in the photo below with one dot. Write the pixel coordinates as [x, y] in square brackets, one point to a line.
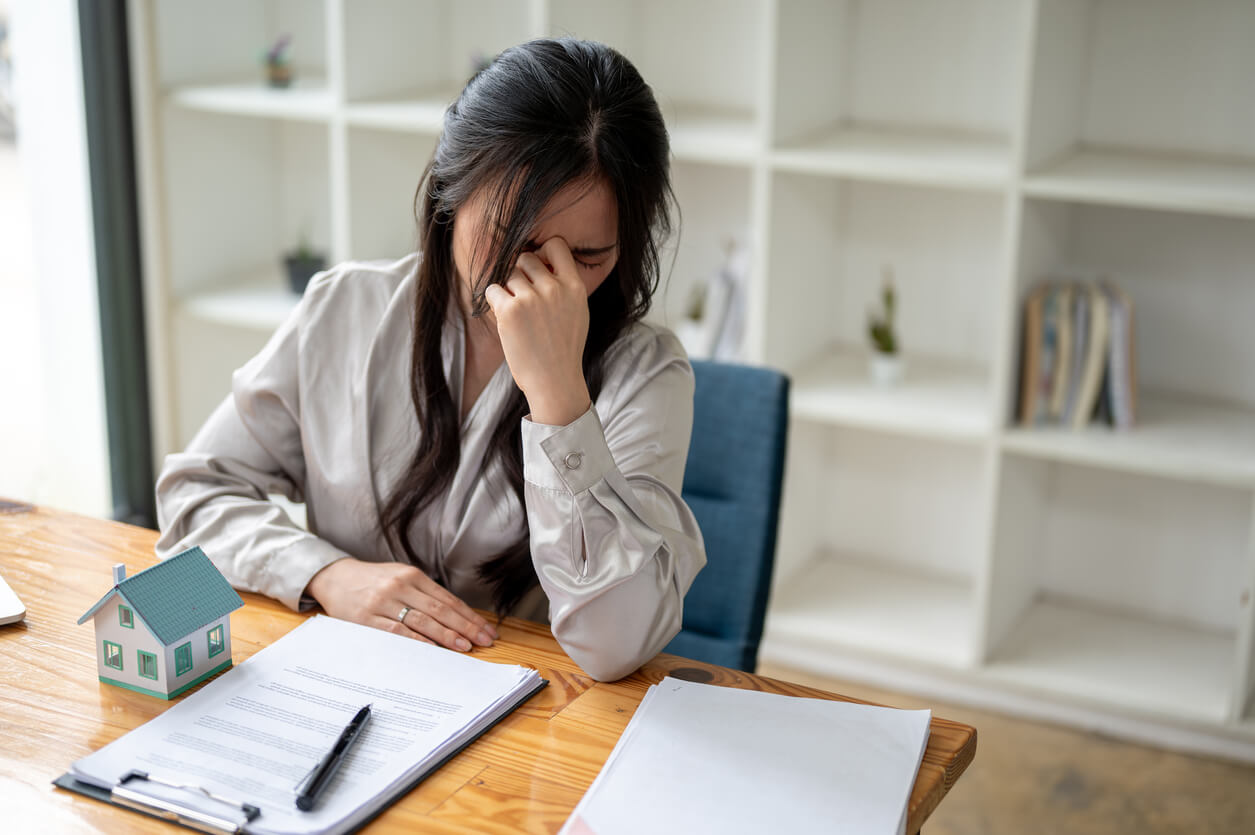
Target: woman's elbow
[615, 659]
[603, 669]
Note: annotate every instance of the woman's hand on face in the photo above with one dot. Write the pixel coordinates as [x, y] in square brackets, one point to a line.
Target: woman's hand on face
[375, 593]
[541, 316]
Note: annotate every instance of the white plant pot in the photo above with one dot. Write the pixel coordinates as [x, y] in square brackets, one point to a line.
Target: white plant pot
[886, 369]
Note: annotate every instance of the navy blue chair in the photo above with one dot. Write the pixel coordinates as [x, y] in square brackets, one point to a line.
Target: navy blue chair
[732, 483]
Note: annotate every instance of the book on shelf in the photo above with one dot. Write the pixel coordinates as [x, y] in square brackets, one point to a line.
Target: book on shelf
[1089, 386]
[1061, 376]
[1078, 357]
[1122, 358]
[1080, 346]
[1031, 355]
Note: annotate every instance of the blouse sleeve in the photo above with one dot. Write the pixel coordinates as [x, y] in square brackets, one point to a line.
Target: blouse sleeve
[614, 545]
[216, 493]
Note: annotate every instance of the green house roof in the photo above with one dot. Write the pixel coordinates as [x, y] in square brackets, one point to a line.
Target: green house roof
[176, 596]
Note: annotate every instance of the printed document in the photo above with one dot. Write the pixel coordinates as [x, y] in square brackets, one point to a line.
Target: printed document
[253, 733]
[722, 760]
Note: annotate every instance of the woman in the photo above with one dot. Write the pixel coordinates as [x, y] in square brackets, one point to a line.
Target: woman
[536, 467]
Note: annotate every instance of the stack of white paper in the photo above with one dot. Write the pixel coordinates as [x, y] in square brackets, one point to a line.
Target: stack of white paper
[698, 758]
[253, 733]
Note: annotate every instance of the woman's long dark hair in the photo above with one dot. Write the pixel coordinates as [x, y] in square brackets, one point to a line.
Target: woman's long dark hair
[543, 115]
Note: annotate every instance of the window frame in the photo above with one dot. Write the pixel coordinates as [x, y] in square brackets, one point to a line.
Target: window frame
[124, 608]
[117, 647]
[140, 655]
[182, 652]
[221, 642]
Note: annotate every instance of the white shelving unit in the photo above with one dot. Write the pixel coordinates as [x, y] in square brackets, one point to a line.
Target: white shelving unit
[972, 147]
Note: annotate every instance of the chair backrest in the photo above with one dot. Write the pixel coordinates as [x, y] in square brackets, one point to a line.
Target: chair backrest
[732, 482]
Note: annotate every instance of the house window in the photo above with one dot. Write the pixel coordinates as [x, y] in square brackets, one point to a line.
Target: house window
[183, 659]
[126, 617]
[216, 642]
[147, 664]
[113, 655]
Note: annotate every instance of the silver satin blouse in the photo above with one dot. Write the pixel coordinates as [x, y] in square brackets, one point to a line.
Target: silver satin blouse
[323, 415]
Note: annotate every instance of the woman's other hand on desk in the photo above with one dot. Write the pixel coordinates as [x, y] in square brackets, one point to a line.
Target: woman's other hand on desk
[400, 599]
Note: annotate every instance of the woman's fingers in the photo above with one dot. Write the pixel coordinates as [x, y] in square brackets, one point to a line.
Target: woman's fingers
[451, 612]
[401, 599]
[427, 626]
[557, 255]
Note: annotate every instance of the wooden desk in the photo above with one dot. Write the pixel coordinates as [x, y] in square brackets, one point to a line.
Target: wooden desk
[525, 775]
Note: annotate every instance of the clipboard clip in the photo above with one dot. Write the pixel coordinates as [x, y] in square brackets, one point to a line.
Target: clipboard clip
[170, 810]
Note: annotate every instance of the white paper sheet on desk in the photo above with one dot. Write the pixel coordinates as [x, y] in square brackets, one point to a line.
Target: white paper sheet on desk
[255, 732]
[699, 758]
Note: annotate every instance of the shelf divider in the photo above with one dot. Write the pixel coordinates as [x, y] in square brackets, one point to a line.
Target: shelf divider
[918, 157]
[308, 99]
[1173, 438]
[846, 604]
[935, 399]
[1174, 671]
[1184, 182]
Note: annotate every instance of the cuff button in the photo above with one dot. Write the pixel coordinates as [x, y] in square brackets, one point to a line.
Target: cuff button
[573, 460]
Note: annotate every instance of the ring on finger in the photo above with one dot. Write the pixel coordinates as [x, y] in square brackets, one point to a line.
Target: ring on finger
[405, 610]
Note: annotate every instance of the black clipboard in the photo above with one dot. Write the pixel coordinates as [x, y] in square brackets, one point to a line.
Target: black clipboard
[242, 812]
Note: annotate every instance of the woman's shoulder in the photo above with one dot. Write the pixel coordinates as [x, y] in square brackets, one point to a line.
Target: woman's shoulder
[359, 290]
[644, 352]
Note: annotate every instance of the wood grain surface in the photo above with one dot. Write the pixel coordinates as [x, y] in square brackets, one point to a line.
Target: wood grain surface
[525, 775]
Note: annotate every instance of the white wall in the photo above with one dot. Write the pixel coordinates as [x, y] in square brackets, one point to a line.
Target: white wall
[67, 454]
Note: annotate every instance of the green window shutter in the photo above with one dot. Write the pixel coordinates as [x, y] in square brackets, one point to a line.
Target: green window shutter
[216, 642]
[126, 617]
[183, 659]
[113, 655]
[147, 664]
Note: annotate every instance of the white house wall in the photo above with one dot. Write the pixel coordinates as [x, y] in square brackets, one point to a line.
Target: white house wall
[141, 637]
[201, 662]
[131, 640]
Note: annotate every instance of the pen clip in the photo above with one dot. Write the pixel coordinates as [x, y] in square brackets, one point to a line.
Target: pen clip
[170, 810]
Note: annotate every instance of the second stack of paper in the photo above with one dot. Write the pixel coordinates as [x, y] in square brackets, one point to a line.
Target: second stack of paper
[699, 758]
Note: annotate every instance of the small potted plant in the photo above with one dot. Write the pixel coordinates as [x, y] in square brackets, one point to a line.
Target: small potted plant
[278, 67]
[886, 357]
[302, 263]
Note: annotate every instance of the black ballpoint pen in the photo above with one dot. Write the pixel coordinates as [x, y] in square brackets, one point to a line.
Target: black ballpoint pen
[308, 790]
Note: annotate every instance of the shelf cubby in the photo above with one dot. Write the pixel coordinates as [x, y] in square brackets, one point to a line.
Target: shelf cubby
[712, 116]
[832, 241]
[1119, 661]
[385, 168]
[401, 75]
[254, 193]
[1144, 104]
[205, 374]
[847, 104]
[1188, 276]
[848, 604]
[201, 45]
[724, 191]
[1119, 589]
[893, 550]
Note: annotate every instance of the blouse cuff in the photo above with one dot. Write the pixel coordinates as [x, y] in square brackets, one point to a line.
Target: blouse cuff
[568, 458]
[295, 566]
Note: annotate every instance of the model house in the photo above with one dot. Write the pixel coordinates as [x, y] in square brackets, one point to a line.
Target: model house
[167, 628]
